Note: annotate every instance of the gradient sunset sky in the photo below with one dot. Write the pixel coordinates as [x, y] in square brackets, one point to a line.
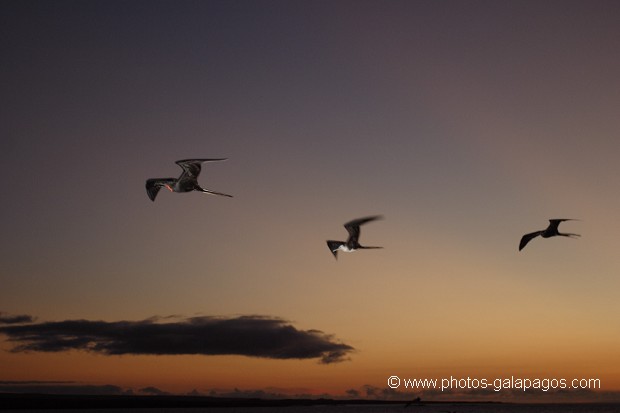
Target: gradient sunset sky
[465, 124]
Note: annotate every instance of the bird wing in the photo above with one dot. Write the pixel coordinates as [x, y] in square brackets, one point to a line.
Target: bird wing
[192, 167]
[333, 247]
[353, 227]
[154, 185]
[554, 223]
[527, 238]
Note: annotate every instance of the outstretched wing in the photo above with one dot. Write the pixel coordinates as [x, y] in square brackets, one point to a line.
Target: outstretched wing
[527, 238]
[554, 223]
[192, 167]
[154, 185]
[353, 227]
[333, 247]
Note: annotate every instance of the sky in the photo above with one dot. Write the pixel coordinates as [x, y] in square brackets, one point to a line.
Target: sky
[464, 124]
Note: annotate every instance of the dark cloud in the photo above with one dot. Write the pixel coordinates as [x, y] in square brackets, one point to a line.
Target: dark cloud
[489, 395]
[353, 393]
[15, 319]
[59, 387]
[253, 336]
[246, 394]
[267, 393]
[382, 393]
[153, 391]
[33, 382]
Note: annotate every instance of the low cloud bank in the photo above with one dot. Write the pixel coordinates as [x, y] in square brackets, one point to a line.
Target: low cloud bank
[252, 336]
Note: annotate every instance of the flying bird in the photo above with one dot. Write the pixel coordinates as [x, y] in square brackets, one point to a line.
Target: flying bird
[352, 243]
[187, 182]
[550, 231]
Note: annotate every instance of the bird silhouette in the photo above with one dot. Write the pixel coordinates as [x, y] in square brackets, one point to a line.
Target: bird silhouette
[550, 231]
[187, 182]
[352, 243]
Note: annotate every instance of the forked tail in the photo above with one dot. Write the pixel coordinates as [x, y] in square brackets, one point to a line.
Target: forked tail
[215, 193]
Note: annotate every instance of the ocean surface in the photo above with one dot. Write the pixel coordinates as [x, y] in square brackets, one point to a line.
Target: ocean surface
[443, 408]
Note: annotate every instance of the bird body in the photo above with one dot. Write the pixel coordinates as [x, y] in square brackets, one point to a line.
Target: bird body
[352, 243]
[550, 231]
[187, 182]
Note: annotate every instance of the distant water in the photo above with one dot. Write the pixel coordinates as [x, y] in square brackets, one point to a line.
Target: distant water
[458, 408]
